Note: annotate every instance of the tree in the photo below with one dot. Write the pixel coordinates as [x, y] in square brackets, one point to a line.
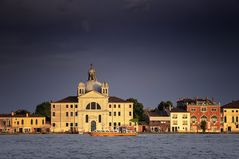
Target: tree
[22, 112]
[138, 109]
[44, 109]
[203, 126]
[165, 105]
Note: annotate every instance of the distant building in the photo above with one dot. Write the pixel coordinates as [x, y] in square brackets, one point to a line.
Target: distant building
[159, 121]
[230, 116]
[92, 109]
[202, 109]
[179, 120]
[15, 123]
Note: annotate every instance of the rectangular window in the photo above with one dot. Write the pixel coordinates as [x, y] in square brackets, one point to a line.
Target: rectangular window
[193, 109]
[71, 124]
[237, 119]
[67, 113]
[53, 106]
[175, 122]
[76, 106]
[99, 118]
[225, 119]
[76, 113]
[71, 106]
[118, 106]
[185, 122]
[237, 126]
[53, 124]
[203, 109]
[214, 109]
[31, 121]
[66, 106]
[67, 124]
[115, 124]
[86, 119]
[233, 111]
[130, 114]
[130, 106]
[109, 113]
[175, 116]
[114, 105]
[71, 113]
[110, 106]
[22, 122]
[109, 124]
[185, 116]
[43, 122]
[237, 111]
[36, 121]
[119, 124]
[76, 124]
[118, 113]
[114, 113]
[17, 122]
[53, 114]
[225, 110]
[233, 119]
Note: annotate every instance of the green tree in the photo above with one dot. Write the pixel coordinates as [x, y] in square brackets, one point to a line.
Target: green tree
[44, 109]
[165, 105]
[22, 112]
[138, 109]
[203, 126]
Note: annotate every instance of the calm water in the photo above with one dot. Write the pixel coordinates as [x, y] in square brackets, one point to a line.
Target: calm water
[144, 146]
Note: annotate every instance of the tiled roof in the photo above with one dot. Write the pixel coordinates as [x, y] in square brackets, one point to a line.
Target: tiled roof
[70, 99]
[234, 104]
[113, 99]
[19, 115]
[158, 113]
[178, 110]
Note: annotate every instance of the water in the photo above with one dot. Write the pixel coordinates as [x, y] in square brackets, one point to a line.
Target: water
[182, 146]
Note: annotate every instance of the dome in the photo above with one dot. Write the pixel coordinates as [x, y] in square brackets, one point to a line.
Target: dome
[93, 85]
[81, 84]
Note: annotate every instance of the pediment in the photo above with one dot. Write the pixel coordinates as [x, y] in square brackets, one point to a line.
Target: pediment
[93, 94]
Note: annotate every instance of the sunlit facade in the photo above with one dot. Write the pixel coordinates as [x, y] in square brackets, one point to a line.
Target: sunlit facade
[92, 109]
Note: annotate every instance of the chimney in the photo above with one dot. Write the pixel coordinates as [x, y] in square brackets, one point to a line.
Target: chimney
[27, 114]
[13, 113]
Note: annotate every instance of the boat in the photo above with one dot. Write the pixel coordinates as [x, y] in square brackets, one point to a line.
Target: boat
[121, 132]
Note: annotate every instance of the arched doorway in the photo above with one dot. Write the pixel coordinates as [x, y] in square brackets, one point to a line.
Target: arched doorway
[93, 126]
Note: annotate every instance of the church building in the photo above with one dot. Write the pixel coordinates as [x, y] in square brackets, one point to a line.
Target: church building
[92, 109]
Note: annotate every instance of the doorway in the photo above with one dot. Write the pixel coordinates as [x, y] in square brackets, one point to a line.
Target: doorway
[93, 126]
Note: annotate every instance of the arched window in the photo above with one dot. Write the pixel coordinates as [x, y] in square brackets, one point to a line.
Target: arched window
[98, 106]
[88, 106]
[203, 118]
[214, 119]
[93, 106]
[193, 119]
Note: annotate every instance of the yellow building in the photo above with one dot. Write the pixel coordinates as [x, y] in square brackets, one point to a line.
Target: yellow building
[230, 117]
[179, 120]
[92, 109]
[15, 123]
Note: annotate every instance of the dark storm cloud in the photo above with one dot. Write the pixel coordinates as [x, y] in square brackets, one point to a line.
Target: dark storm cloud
[159, 49]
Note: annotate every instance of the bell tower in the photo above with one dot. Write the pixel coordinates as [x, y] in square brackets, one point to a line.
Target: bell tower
[105, 88]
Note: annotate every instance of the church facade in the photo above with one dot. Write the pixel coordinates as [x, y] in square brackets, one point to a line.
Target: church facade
[92, 109]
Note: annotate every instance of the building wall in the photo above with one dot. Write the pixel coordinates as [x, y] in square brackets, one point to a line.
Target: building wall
[230, 118]
[208, 111]
[23, 124]
[120, 114]
[180, 122]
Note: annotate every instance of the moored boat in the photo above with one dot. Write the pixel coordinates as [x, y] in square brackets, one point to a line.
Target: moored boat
[121, 132]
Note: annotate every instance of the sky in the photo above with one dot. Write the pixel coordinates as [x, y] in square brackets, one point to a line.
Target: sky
[151, 50]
